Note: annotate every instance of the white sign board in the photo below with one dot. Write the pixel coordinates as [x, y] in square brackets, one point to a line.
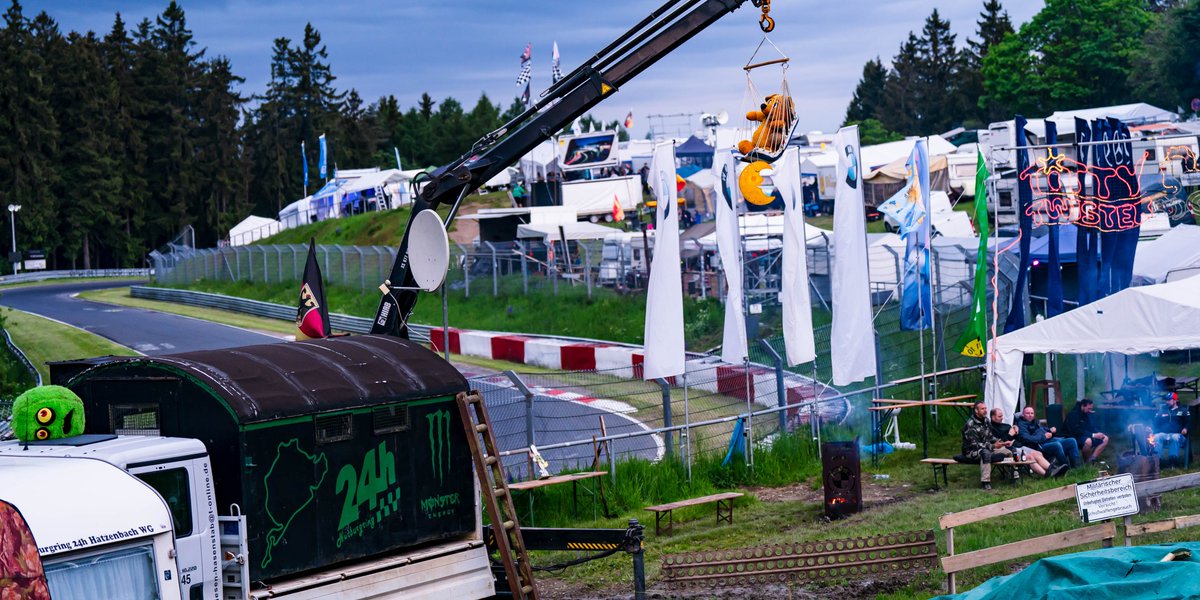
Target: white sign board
[1107, 498]
[35, 265]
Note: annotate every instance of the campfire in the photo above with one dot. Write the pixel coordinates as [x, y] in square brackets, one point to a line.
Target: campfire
[1142, 460]
[841, 474]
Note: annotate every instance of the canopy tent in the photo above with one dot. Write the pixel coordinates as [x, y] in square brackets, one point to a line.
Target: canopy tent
[1039, 246]
[252, 229]
[1174, 255]
[540, 162]
[700, 192]
[1133, 321]
[695, 151]
[297, 213]
[822, 165]
[550, 232]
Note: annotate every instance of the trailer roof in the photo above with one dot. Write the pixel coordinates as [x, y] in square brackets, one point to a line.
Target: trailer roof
[273, 381]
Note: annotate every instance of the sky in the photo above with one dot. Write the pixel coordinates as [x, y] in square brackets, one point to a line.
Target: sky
[466, 47]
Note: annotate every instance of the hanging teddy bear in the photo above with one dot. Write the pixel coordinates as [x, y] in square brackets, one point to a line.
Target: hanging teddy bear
[775, 118]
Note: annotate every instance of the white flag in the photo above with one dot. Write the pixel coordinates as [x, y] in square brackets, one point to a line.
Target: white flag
[797, 303]
[733, 345]
[851, 337]
[664, 352]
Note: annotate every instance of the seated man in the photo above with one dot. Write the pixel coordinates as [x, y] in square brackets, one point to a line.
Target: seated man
[1079, 426]
[1031, 434]
[1008, 433]
[978, 444]
[1170, 431]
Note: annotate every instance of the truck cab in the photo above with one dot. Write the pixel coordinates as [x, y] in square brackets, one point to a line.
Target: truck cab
[87, 530]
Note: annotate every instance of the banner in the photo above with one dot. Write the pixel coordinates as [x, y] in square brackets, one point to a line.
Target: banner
[1054, 283]
[910, 208]
[1118, 242]
[322, 172]
[973, 340]
[304, 161]
[312, 314]
[1016, 313]
[555, 70]
[664, 351]
[852, 337]
[795, 298]
[397, 151]
[733, 344]
[1087, 239]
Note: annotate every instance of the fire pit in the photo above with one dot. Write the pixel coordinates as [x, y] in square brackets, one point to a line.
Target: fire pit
[841, 474]
[1142, 460]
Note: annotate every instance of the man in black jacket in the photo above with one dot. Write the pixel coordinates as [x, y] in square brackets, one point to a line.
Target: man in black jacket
[1031, 434]
[1079, 426]
[1170, 431]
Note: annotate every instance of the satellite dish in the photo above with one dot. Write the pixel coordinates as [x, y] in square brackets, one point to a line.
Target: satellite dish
[428, 250]
[723, 117]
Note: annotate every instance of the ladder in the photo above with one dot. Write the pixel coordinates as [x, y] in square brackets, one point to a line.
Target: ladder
[496, 495]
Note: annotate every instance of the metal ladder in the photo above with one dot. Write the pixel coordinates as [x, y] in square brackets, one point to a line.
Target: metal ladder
[496, 495]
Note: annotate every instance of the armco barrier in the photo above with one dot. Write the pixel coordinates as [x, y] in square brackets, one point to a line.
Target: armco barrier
[258, 308]
[74, 274]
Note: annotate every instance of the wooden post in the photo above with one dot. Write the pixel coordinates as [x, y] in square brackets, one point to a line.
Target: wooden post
[950, 551]
[1128, 521]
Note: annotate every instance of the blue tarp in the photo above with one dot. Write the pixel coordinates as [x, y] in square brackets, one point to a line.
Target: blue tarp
[1121, 573]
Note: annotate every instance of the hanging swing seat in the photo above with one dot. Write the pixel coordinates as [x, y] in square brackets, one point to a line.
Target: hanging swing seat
[771, 118]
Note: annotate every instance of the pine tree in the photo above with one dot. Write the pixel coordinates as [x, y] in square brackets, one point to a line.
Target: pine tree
[868, 100]
[991, 28]
[28, 133]
[938, 95]
[901, 103]
[126, 240]
[357, 133]
[219, 162]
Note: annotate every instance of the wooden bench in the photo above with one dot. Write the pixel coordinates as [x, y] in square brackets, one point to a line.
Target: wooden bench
[726, 515]
[940, 465]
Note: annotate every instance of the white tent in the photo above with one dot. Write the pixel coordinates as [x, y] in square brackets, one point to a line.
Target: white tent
[297, 213]
[1174, 255]
[540, 162]
[1133, 321]
[549, 232]
[252, 229]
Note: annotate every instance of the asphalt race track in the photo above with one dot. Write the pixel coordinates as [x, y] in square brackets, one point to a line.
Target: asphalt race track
[150, 332]
[145, 331]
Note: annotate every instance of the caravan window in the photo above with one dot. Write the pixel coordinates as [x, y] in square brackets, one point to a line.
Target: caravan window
[172, 485]
[126, 573]
[610, 252]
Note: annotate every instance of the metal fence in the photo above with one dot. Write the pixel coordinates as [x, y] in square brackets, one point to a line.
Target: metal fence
[73, 274]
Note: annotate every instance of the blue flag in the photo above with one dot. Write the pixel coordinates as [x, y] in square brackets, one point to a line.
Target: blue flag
[321, 170]
[1054, 284]
[397, 151]
[1016, 313]
[1087, 239]
[304, 161]
[910, 208]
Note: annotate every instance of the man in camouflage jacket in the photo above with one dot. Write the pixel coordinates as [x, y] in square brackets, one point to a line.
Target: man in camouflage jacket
[979, 444]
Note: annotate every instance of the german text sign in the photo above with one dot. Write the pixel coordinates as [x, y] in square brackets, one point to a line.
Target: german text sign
[1107, 498]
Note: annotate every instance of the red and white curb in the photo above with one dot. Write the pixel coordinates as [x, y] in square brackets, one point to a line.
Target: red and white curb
[624, 361]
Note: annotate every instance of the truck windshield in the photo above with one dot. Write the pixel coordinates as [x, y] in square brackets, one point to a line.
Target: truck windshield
[123, 574]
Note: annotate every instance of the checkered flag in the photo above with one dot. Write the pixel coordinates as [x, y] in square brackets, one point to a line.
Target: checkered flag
[555, 71]
[526, 65]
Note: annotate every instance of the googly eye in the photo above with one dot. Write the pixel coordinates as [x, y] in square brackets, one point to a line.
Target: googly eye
[45, 415]
[42, 433]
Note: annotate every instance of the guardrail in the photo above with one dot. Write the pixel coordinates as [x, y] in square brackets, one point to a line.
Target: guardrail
[259, 308]
[20, 354]
[74, 274]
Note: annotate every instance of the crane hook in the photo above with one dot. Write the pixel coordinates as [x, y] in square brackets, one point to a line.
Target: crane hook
[767, 24]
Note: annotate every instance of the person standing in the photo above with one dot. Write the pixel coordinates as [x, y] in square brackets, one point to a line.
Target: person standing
[1170, 430]
[979, 444]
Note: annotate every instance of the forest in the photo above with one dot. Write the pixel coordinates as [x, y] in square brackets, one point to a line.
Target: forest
[112, 143]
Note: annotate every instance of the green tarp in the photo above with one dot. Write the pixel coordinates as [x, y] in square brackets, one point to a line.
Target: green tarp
[1110, 574]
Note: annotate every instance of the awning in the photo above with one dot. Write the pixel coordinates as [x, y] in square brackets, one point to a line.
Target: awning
[548, 232]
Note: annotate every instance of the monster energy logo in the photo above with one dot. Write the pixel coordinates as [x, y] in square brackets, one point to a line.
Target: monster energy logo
[439, 442]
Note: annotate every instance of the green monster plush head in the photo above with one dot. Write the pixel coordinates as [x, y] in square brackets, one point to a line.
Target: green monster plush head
[48, 412]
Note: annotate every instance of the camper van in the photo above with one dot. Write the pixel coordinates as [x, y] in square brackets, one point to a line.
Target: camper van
[81, 529]
[331, 468]
[624, 253]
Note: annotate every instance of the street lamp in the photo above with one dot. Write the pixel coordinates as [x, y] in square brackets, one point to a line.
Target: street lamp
[12, 218]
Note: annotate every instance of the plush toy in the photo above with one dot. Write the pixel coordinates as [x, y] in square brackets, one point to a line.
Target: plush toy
[48, 412]
[775, 118]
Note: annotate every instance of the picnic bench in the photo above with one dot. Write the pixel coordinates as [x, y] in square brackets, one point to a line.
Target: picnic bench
[724, 498]
[940, 465]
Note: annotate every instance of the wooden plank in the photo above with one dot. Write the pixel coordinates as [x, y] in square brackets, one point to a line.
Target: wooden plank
[540, 483]
[1038, 545]
[1161, 526]
[957, 398]
[1005, 507]
[938, 374]
[694, 501]
[917, 404]
[951, 461]
[1145, 528]
[1168, 484]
